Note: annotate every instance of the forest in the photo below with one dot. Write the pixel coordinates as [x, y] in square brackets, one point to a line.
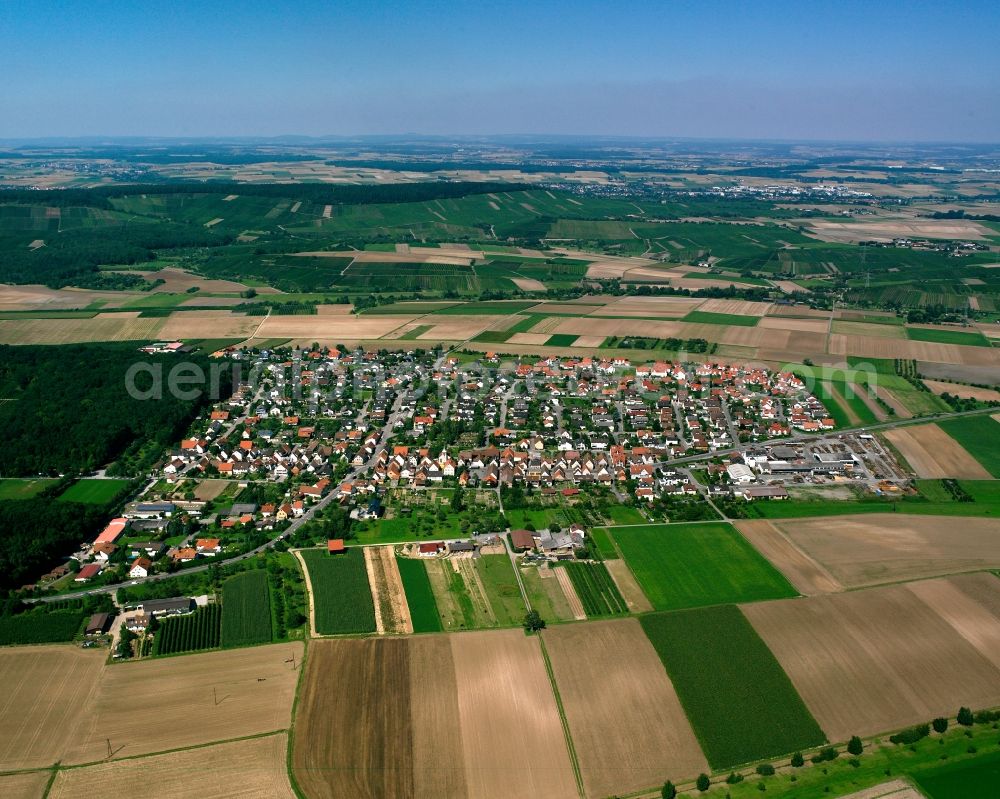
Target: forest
[64, 415]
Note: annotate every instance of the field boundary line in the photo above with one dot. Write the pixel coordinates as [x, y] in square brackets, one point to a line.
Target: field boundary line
[291, 724]
[92, 763]
[312, 602]
[570, 748]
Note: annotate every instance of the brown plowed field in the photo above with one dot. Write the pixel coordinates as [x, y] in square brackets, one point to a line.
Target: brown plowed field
[931, 452]
[254, 689]
[46, 693]
[353, 733]
[872, 549]
[441, 717]
[868, 661]
[254, 769]
[626, 721]
[628, 586]
[805, 574]
[787, 323]
[30, 785]
[208, 324]
[512, 738]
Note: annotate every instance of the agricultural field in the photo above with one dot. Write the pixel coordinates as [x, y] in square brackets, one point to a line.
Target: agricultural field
[740, 702]
[392, 615]
[626, 722]
[967, 780]
[960, 337]
[473, 594]
[25, 785]
[189, 633]
[980, 437]
[39, 627]
[597, 591]
[700, 563]
[95, 492]
[340, 591]
[246, 609]
[232, 693]
[436, 716]
[15, 488]
[932, 452]
[830, 554]
[885, 658]
[419, 595]
[46, 701]
[250, 768]
[546, 594]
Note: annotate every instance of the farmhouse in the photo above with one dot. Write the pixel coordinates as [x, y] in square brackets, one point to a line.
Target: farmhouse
[141, 567]
[764, 492]
[431, 549]
[88, 572]
[99, 624]
[522, 540]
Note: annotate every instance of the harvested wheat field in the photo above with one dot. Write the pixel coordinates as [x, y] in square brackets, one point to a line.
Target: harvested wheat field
[209, 324]
[627, 724]
[46, 694]
[588, 341]
[868, 329]
[957, 390]
[177, 281]
[875, 660]
[791, 323]
[872, 347]
[392, 614]
[528, 284]
[879, 548]
[561, 576]
[253, 693]
[329, 326]
[395, 704]
[738, 307]
[29, 785]
[931, 452]
[458, 328]
[103, 327]
[889, 229]
[649, 306]
[969, 604]
[253, 768]
[534, 339]
[628, 586]
[805, 574]
[512, 738]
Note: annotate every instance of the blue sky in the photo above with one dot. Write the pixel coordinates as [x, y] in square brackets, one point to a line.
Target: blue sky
[903, 70]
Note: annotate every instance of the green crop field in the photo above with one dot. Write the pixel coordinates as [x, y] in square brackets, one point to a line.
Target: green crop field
[419, 596]
[189, 633]
[246, 609]
[497, 575]
[688, 565]
[975, 339]
[14, 488]
[980, 435]
[741, 703]
[341, 593]
[596, 589]
[708, 317]
[561, 340]
[975, 779]
[602, 541]
[94, 492]
[37, 627]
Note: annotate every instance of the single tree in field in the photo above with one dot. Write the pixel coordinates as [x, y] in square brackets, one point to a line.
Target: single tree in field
[797, 760]
[854, 746]
[669, 791]
[940, 724]
[965, 717]
[703, 783]
[533, 622]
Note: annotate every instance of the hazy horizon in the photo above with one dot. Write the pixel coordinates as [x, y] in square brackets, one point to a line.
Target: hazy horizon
[829, 71]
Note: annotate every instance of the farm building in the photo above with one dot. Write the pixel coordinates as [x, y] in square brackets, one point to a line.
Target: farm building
[522, 540]
[335, 546]
[167, 607]
[99, 624]
[88, 572]
[431, 549]
[140, 567]
[764, 492]
[153, 510]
